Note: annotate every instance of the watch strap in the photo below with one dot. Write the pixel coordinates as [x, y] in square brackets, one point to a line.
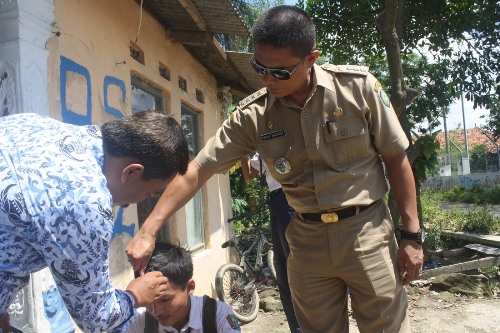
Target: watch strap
[416, 236]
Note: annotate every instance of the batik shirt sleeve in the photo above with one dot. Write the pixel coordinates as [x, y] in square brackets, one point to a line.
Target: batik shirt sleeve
[66, 212]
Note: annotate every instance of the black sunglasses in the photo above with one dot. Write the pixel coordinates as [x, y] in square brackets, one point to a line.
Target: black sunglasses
[277, 73]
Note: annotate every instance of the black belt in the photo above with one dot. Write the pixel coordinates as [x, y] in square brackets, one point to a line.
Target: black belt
[335, 216]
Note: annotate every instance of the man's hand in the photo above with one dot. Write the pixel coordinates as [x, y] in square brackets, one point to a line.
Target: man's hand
[5, 324]
[410, 260]
[148, 288]
[140, 250]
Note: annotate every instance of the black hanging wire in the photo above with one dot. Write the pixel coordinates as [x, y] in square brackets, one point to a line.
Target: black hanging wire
[262, 197]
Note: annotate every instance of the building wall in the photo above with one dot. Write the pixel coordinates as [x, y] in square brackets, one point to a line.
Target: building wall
[445, 183]
[88, 69]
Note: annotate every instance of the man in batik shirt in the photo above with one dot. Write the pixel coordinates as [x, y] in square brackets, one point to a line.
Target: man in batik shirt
[58, 183]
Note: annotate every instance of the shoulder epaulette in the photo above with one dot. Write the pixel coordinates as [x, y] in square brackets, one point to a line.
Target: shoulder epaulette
[252, 98]
[347, 69]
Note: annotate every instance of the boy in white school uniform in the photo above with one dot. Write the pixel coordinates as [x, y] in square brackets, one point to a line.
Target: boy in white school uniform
[178, 310]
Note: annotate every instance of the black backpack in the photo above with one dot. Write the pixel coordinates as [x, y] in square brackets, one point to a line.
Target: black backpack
[208, 317]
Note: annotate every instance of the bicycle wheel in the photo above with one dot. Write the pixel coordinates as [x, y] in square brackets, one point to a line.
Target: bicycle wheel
[270, 263]
[234, 288]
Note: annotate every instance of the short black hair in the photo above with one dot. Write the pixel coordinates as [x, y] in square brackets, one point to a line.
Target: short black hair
[172, 261]
[286, 26]
[156, 140]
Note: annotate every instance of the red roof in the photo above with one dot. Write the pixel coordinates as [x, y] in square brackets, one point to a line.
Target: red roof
[474, 136]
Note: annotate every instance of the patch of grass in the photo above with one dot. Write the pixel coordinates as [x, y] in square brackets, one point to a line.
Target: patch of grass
[474, 220]
[491, 289]
[475, 195]
[489, 271]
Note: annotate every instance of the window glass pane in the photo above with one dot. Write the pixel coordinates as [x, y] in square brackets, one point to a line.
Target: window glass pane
[194, 208]
[189, 126]
[146, 97]
[194, 221]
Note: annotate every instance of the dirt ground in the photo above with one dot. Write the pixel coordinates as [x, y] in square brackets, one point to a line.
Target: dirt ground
[430, 312]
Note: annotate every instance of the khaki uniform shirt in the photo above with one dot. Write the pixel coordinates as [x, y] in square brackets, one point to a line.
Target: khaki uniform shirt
[333, 144]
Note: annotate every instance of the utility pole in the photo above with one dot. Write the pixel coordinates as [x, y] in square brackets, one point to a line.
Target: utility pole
[465, 128]
[447, 145]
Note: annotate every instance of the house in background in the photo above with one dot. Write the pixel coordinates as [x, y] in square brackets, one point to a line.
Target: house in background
[88, 62]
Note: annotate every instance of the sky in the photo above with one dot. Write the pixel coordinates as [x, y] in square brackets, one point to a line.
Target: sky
[472, 117]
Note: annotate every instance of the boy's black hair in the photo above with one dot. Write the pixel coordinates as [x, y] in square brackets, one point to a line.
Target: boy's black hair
[172, 261]
[286, 26]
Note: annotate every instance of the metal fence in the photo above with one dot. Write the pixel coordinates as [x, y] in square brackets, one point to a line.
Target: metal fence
[479, 161]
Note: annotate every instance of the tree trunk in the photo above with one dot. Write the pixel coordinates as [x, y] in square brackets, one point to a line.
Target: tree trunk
[390, 23]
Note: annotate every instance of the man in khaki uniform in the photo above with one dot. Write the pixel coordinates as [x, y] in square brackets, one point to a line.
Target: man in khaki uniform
[323, 132]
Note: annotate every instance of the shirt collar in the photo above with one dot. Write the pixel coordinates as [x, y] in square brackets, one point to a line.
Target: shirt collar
[320, 78]
[270, 100]
[195, 314]
[194, 317]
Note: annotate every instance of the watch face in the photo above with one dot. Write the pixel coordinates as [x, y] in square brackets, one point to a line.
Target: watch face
[422, 235]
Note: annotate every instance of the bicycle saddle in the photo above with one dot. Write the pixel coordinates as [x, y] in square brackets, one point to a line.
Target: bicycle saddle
[228, 243]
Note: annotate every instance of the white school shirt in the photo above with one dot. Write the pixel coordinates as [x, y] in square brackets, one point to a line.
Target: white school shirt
[271, 182]
[226, 321]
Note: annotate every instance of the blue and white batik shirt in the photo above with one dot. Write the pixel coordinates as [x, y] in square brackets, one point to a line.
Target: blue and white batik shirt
[56, 212]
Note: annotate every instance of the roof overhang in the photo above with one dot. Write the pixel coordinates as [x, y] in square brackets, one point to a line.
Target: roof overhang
[194, 24]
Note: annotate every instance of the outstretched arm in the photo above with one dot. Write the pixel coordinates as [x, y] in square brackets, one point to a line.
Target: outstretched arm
[79, 262]
[177, 194]
[410, 255]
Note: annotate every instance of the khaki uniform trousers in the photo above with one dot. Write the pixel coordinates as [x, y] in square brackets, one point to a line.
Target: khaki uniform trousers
[358, 254]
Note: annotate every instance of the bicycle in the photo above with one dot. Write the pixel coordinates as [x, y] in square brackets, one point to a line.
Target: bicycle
[238, 285]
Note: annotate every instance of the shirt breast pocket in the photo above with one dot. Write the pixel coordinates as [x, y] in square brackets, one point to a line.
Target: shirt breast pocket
[347, 141]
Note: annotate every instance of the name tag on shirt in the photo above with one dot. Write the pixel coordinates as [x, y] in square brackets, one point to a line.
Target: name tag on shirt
[272, 135]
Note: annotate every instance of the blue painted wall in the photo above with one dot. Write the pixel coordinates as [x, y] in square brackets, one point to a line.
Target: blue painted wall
[71, 117]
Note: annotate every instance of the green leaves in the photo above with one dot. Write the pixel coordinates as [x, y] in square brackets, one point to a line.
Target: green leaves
[427, 162]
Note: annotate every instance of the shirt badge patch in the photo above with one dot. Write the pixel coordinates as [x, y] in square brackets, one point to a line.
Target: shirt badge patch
[282, 166]
[233, 322]
[272, 135]
[384, 98]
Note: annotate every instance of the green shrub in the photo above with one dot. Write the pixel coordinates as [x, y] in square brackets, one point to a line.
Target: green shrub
[433, 239]
[489, 271]
[492, 196]
[474, 195]
[480, 221]
[437, 219]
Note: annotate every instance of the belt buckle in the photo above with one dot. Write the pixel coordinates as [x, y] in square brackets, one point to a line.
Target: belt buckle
[329, 218]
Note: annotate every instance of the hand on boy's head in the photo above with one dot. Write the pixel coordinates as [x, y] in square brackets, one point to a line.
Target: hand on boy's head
[148, 288]
[140, 249]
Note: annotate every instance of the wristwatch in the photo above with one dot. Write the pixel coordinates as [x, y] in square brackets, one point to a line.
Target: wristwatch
[418, 236]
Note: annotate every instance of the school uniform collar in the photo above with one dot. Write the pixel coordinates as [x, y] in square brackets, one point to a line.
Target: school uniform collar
[195, 322]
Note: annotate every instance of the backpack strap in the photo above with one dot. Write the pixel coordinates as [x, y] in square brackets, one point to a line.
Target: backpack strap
[151, 324]
[209, 315]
